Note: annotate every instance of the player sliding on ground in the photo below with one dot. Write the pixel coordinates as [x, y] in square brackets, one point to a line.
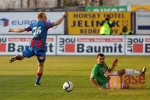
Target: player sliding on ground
[37, 45]
[99, 75]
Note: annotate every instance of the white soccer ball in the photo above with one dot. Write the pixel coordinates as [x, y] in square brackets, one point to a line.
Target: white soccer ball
[68, 86]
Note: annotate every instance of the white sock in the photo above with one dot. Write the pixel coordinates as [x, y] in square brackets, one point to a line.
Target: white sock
[132, 72]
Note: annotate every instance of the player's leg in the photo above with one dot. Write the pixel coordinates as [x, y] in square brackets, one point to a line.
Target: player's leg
[25, 53]
[130, 72]
[41, 59]
[39, 73]
[17, 57]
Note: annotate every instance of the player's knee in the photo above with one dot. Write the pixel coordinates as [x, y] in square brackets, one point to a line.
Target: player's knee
[19, 57]
[121, 72]
[41, 59]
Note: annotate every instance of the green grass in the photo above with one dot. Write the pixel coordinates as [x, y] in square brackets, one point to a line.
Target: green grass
[17, 79]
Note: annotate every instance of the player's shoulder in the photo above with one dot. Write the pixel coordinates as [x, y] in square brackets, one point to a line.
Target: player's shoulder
[96, 65]
[49, 23]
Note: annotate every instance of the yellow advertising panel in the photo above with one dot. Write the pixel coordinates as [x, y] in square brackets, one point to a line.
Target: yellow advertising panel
[141, 8]
[89, 22]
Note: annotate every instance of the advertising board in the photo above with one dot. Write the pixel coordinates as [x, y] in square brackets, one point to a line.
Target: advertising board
[142, 23]
[90, 45]
[106, 8]
[137, 45]
[21, 20]
[89, 22]
[13, 45]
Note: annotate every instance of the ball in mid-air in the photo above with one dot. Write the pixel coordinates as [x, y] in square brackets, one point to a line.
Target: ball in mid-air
[68, 86]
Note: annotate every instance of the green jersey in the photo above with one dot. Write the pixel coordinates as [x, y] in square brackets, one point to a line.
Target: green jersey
[100, 74]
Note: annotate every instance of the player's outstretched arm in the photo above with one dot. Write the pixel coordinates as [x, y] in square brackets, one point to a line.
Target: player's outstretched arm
[61, 19]
[16, 30]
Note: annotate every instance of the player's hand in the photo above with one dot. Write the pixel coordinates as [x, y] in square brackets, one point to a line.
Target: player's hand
[10, 30]
[115, 62]
[64, 13]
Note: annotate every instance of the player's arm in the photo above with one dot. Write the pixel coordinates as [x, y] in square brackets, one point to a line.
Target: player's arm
[20, 29]
[94, 73]
[61, 19]
[16, 30]
[95, 83]
[113, 66]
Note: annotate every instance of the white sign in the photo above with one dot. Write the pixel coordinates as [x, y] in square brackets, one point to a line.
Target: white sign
[23, 19]
[142, 23]
[137, 45]
[90, 45]
[134, 2]
[13, 45]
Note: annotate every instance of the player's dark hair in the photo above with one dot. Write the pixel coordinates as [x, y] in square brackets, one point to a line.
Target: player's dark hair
[101, 55]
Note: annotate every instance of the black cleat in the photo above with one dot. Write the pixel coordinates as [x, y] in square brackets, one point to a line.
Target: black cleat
[143, 71]
[12, 59]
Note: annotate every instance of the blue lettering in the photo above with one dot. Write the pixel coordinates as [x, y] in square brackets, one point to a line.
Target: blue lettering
[80, 23]
[27, 22]
[143, 15]
[98, 23]
[14, 22]
[20, 23]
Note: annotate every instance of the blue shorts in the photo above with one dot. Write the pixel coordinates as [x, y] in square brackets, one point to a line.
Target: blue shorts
[40, 53]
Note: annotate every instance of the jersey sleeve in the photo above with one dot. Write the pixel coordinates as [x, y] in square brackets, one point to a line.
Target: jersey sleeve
[28, 28]
[49, 25]
[94, 72]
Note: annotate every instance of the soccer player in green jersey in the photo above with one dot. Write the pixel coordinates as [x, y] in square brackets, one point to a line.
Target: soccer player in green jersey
[99, 75]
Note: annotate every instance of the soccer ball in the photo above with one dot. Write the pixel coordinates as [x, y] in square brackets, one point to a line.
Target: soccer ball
[68, 86]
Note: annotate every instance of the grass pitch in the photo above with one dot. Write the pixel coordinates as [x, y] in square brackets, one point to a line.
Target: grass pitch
[17, 79]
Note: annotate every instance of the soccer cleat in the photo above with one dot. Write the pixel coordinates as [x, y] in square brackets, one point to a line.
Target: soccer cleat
[12, 59]
[37, 84]
[143, 71]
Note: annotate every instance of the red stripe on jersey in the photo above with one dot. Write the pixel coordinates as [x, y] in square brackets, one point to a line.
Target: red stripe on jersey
[33, 42]
[47, 27]
[39, 44]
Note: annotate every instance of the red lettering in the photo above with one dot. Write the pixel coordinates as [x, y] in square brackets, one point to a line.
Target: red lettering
[135, 79]
[141, 79]
[127, 79]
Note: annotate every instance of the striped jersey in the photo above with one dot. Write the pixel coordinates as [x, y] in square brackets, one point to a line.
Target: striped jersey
[39, 33]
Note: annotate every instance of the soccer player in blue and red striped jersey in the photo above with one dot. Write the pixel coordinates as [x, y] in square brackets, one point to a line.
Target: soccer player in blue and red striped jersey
[37, 45]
